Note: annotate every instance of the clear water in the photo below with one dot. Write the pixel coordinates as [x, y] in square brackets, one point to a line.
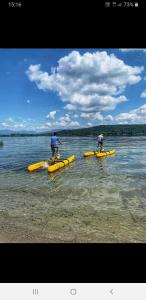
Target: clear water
[91, 200]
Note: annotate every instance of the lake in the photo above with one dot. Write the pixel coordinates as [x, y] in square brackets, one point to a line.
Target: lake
[90, 200]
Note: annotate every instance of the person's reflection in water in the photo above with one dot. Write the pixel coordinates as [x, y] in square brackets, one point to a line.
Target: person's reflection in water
[101, 165]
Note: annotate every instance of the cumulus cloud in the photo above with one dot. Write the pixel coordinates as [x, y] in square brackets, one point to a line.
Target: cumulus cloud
[134, 116]
[65, 122]
[10, 124]
[19, 126]
[51, 115]
[89, 124]
[44, 126]
[98, 116]
[74, 124]
[109, 118]
[4, 124]
[86, 115]
[143, 94]
[65, 119]
[88, 82]
[48, 124]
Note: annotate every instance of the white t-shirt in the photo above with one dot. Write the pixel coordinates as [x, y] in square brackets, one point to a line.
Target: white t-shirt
[100, 138]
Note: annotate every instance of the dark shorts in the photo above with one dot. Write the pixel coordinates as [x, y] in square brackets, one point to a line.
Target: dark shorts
[100, 144]
[54, 147]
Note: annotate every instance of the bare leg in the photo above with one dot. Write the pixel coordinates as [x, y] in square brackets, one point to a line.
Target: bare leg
[57, 152]
[53, 154]
[100, 147]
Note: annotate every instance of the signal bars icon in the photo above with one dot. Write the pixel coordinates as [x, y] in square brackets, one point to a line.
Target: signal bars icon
[35, 292]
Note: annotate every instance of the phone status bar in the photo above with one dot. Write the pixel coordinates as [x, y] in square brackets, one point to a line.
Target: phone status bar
[123, 4]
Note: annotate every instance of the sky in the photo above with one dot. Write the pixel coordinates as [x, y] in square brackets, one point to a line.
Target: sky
[50, 89]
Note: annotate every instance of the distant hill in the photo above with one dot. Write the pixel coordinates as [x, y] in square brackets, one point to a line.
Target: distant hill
[107, 130]
[6, 132]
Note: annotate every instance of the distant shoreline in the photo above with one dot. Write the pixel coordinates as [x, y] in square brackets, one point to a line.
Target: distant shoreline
[71, 135]
[107, 130]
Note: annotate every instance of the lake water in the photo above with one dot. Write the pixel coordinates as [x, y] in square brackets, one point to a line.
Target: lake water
[91, 200]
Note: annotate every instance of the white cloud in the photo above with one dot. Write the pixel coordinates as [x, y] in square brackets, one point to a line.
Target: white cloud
[51, 115]
[45, 126]
[19, 125]
[109, 118]
[132, 49]
[12, 125]
[143, 94]
[66, 121]
[4, 124]
[86, 115]
[70, 107]
[89, 124]
[74, 124]
[134, 116]
[65, 118]
[98, 116]
[48, 124]
[88, 82]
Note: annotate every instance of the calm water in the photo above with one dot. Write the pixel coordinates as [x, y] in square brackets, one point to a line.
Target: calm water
[91, 200]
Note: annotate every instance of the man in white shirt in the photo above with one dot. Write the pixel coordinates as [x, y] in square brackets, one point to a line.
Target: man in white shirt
[100, 142]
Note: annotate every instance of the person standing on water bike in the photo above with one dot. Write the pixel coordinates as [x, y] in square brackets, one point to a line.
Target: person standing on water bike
[55, 146]
[100, 142]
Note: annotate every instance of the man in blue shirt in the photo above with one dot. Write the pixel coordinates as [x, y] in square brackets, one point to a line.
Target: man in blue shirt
[55, 146]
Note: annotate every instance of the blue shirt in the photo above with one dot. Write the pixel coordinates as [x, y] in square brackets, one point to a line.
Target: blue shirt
[54, 140]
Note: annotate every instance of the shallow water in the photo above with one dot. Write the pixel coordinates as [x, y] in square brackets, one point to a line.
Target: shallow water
[91, 200]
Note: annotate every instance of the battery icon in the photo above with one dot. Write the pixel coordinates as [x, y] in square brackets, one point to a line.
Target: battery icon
[136, 4]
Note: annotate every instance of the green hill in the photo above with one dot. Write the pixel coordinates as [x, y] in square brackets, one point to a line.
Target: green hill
[107, 130]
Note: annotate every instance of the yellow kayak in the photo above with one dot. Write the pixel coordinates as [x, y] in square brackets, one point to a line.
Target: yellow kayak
[61, 164]
[99, 154]
[85, 154]
[37, 166]
[40, 164]
[106, 153]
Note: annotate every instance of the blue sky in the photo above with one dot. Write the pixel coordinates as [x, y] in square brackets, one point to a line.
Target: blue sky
[47, 89]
